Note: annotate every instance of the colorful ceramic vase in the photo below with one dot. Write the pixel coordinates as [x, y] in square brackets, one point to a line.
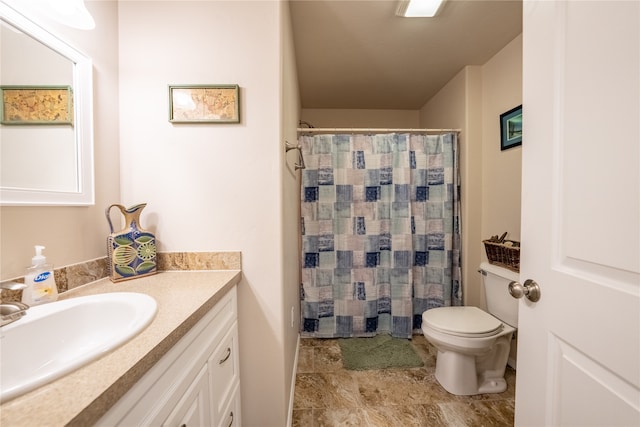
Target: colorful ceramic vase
[132, 250]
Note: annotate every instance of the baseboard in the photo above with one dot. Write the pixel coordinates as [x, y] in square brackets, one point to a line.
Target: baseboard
[293, 384]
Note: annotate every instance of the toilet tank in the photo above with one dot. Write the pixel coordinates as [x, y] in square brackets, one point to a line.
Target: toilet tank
[500, 303]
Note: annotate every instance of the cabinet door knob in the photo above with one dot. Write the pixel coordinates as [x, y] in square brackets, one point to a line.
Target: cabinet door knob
[225, 358]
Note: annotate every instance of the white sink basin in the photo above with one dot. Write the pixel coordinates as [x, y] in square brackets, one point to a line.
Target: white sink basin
[54, 339]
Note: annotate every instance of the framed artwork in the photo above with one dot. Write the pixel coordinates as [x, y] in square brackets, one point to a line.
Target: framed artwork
[36, 105]
[511, 128]
[204, 104]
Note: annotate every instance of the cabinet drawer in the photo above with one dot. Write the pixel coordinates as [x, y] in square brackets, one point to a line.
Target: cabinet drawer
[230, 415]
[223, 370]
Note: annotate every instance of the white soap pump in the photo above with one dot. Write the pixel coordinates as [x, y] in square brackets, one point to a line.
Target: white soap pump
[40, 281]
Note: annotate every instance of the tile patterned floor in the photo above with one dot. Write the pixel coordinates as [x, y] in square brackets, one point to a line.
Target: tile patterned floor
[327, 395]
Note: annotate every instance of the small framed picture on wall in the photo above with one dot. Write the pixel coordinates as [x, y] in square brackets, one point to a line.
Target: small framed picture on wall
[204, 104]
[511, 128]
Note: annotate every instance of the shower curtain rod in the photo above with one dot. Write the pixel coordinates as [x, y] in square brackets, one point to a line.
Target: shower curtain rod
[377, 130]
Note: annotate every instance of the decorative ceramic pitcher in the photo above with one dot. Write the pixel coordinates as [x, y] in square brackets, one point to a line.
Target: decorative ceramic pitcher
[132, 250]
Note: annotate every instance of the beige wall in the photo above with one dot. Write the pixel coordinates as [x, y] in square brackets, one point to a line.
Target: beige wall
[473, 102]
[75, 234]
[219, 187]
[290, 208]
[501, 170]
[338, 118]
[458, 106]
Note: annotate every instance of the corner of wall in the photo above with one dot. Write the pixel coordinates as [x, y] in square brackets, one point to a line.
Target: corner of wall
[290, 184]
[472, 198]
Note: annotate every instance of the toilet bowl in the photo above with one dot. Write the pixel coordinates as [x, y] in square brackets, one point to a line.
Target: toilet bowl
[473, 346]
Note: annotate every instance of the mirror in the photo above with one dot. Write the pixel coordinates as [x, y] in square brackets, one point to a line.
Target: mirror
[46, 117]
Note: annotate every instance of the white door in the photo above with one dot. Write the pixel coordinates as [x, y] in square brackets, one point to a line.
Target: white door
[579, 345]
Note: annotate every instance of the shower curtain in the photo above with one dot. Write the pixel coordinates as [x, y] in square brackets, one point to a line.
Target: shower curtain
[380, 232]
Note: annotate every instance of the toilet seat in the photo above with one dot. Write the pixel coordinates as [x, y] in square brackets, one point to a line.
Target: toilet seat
[468, 322]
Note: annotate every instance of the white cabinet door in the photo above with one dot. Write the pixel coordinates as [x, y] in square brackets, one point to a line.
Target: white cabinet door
[223, 368]
[194, 408]
[579, 346]
[231, 416]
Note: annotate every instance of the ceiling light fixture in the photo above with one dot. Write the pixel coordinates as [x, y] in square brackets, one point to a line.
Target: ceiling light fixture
[418, 8]
[72, 13]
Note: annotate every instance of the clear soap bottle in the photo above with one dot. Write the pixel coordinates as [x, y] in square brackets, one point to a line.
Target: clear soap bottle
[40, 281]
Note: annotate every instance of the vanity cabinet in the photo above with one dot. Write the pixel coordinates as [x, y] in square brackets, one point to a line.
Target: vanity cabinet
[196, 383]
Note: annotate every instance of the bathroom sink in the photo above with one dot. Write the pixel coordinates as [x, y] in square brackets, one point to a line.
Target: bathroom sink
[54, 339]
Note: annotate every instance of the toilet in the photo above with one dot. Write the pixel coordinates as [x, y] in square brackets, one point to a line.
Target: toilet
[473, 345]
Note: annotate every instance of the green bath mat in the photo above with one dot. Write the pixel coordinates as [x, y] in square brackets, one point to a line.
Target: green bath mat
[379, 352]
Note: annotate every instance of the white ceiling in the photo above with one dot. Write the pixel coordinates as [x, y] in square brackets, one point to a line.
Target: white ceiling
[359, 54]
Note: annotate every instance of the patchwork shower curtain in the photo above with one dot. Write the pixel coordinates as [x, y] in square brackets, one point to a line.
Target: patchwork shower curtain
[380, 232]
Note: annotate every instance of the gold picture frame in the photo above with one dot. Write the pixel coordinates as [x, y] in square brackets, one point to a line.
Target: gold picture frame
[204, 104]
[36, 105]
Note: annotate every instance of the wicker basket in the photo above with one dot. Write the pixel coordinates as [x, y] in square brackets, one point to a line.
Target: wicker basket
[507, 256]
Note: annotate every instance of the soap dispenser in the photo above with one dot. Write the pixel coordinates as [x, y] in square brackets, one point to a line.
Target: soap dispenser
[40, 281]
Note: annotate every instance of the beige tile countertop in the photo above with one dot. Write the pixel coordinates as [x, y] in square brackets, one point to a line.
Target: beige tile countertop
[83, 396]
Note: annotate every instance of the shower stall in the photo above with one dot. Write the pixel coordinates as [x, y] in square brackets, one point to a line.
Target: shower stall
[380, 229]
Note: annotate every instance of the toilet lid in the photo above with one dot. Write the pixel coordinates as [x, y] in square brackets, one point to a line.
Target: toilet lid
[462, 321]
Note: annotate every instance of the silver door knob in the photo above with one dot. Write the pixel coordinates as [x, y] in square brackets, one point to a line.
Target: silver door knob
[530, 289]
